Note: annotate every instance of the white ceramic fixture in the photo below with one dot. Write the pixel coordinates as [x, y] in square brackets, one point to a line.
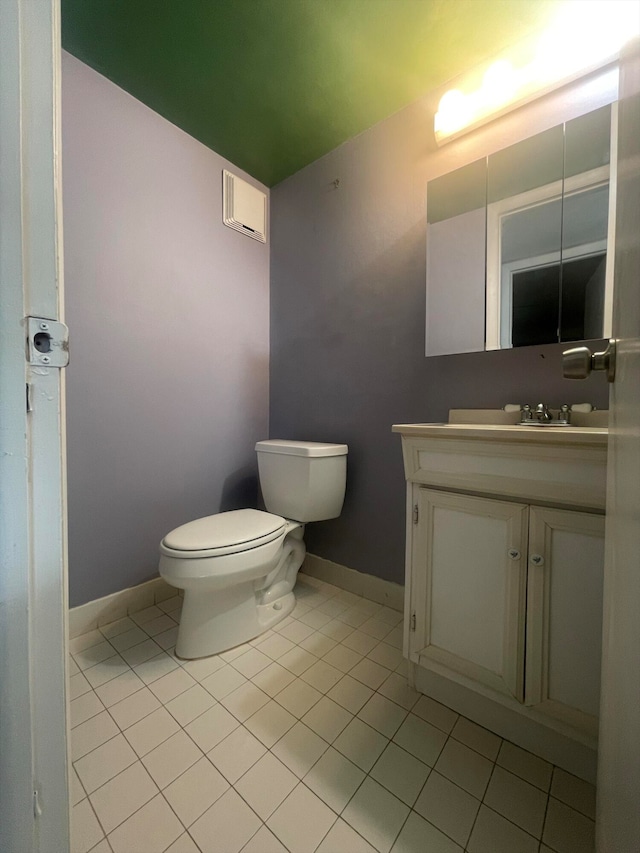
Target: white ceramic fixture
[238, 568]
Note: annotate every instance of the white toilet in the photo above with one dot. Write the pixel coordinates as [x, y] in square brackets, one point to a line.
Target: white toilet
[238, 568]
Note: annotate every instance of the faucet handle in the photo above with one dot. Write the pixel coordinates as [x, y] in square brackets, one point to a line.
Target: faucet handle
[564, 415]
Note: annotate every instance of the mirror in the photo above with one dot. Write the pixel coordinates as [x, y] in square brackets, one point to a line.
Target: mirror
[517, 243]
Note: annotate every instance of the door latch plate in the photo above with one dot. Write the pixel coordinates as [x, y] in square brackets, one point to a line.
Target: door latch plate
[47, 342]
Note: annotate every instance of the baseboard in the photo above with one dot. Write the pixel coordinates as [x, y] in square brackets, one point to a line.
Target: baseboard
[359, 583]
[87, 617]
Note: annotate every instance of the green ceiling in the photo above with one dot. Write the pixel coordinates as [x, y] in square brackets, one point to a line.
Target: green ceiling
[274, 84]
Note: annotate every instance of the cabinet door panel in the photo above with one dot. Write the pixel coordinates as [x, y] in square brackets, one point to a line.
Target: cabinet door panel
[564, 615]
[471, 609]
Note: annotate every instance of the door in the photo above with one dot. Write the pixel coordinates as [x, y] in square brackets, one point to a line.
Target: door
[34, 812]
[618, 814]
[564, 615]
[469, 569]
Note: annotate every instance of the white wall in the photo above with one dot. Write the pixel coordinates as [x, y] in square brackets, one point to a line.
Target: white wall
[169, 317]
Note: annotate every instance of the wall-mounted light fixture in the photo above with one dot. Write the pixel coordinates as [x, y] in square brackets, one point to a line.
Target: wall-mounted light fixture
[585, 35]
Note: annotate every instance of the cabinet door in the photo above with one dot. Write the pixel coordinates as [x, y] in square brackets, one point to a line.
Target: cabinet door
[469, 586]
[564, 615]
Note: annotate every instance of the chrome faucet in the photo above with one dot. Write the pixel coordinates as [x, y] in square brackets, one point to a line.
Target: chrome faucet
[542, 413]
[564, 415]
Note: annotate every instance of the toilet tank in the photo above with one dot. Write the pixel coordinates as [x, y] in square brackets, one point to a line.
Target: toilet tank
[302, 480]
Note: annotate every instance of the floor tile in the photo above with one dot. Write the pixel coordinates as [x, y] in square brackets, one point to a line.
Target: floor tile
[146, 615]
[517, 800]
[336, 630]
[270, 723]
[94, 654]
[318, 644]
[134, 708]
[154, 668]
[223, 681]
[104, 762]
[315, 618]
[275, 646]
[466, 768]
[151, 731]
[376, 628]
[477, 738]
[566, 830]
[361, 744]
[342, 658]
[353, 617]
[235, 652]
[448, 807]
[184, 844]
[273, 679]
[195, 791]
[400, 773]
[574, 792]
[370, 673]
[200, 669]
[141, 652]
[302, 821]
[350, 694]
[102, 847]
[419, 836]
[245, 701]
[342, 837]
[333, 606]
[251, 662]
[171, 605]
[296, 631]
[170, 759]
[114, 629]
[433, 712]
[91, 734]
[171, 685]
[119, 688]
[105, 671]
[167, 639]
[322, 676]
[77, 792]
[190, 704]
[397, 689]
[299, 749]
[154, 827]
[376, 814]
[334, 779]
[298, 697]
[386, 655]
[238, 752]
[85, 641]
[86, 832]
[391, 616]
[227, 825]
[83, 708]
[210, 728]
[264, 841]
[266, 785]
[128, 639]
[123, 795]
[384, 715]
[421, 739]
[159, 625]
[327, 719]
[524, 764]
[395, 638]
[359, 642]
[297, 660]
[493, 834]
[72, 666]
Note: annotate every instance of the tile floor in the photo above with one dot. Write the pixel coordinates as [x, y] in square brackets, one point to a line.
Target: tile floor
[306, 739]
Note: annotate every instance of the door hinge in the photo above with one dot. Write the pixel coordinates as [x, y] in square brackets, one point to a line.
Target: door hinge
[37, 808]
[416, 513]
[413, 622]
[29, 399]
[47, 342]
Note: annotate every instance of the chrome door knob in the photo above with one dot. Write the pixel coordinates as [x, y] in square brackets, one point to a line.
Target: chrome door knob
[577, 363]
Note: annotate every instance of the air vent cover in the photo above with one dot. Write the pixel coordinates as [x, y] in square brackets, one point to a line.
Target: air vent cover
[244, 207]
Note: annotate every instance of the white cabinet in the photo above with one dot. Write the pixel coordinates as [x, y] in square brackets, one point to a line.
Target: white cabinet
[504, 576]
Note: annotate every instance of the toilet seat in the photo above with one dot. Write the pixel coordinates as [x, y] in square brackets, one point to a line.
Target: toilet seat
[224, 533]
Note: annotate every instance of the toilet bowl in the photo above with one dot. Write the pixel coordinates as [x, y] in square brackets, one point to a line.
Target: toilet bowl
[238, 568]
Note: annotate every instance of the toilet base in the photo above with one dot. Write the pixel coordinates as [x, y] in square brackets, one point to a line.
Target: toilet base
[213, 622]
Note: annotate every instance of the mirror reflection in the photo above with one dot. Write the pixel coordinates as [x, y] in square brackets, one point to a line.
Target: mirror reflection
[541, 274]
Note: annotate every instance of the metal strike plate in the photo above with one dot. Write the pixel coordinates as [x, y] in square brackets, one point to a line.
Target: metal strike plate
[47, 342]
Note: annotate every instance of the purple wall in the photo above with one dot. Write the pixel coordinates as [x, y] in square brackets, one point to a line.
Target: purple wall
[168, 382]
[348, 271]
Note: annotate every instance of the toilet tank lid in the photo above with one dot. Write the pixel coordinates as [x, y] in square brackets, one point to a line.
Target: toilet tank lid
[301, 448]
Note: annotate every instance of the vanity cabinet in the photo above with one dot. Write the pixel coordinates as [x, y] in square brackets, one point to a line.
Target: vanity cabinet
[504, 574]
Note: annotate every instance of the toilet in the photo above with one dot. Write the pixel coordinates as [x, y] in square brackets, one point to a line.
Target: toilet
[238, 568]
